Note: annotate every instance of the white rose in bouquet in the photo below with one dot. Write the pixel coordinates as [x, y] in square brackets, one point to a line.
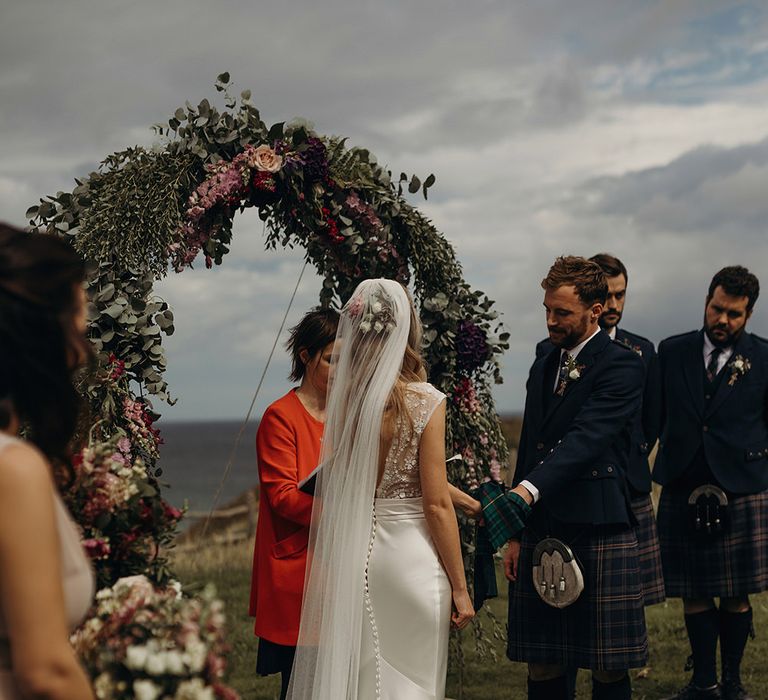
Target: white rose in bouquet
[145, 690]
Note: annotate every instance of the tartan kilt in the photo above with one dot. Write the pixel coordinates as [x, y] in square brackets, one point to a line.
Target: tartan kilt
[605, 628]
[733, 564]
[648, 550]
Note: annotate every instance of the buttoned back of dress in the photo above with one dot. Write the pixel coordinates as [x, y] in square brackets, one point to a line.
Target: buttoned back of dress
[401, 468]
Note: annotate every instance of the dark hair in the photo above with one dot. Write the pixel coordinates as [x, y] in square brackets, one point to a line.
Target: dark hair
[738, 282]
[38, 339]
[586, 276]
[610, 265]
[315, 330]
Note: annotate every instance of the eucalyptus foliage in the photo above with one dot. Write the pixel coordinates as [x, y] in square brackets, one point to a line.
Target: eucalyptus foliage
[145, 212]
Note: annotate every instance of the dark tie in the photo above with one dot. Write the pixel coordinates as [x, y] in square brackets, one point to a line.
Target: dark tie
[712, 365]
[562, 373]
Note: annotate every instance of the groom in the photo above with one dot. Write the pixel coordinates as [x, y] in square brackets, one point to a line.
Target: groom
[571, 467]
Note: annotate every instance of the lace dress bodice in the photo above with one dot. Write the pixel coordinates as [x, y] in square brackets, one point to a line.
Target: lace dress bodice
[401, 468]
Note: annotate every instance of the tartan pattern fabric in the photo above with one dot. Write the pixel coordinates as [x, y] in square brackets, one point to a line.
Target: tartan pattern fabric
[733, 564]
[504, 512]
[649, 550]
[605, 628]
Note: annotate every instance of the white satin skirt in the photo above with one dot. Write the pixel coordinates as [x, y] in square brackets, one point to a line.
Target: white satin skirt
[406, 623]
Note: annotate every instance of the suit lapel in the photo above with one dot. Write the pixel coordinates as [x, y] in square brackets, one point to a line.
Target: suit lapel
[585, 360]
[693, 370]
[743, 347]
[540, 385]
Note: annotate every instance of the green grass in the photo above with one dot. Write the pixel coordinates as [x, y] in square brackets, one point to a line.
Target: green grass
[229, 568]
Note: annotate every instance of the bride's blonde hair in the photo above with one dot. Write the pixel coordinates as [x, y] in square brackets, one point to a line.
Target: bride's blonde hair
[413, 370]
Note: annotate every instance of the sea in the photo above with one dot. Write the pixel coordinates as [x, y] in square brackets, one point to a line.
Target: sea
[194, 457]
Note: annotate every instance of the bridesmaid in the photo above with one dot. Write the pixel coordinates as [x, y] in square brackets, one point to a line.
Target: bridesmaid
[46, 583]
[288, 449]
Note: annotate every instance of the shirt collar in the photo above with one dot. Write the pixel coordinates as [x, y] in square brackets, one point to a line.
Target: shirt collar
[709, 346]
[574, 352]
[612, 332]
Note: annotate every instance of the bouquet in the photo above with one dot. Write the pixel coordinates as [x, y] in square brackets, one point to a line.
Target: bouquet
[150, 643]
[123, 519]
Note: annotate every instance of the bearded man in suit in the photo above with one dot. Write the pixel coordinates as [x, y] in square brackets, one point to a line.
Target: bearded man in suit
[582, 397]
[713, 466]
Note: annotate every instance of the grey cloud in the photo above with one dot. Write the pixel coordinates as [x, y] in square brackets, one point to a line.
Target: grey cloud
[709, 190]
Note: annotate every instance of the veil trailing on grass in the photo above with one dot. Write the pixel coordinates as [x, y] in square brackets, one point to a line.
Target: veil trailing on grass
[370, 345]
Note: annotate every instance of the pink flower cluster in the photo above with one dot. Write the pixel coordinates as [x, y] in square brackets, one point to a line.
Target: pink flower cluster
[228, 184]
[140, 423]
[363, 212]
[465, 396]
[147, 641]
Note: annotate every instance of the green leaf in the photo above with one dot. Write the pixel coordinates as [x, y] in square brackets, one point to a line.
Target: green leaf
[223, 78]
[245, 95]
[276, 131]
[414, 185]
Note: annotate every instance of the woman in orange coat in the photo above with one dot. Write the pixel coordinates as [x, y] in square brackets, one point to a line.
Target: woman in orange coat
[288, 449]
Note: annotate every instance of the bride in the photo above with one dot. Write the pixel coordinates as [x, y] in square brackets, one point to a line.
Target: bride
[385, 578]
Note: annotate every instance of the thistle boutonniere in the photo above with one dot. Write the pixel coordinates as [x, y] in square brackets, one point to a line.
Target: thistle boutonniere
[571, 372]
[634, 348]
[739, 366]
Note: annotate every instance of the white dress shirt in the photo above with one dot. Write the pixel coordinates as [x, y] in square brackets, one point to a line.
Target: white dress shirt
[574, 353]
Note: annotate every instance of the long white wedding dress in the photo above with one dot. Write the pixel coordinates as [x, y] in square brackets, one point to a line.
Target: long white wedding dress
[404, 643]
[375, 618]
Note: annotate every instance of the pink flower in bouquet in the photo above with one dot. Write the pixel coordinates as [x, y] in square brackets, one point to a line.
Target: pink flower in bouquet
[170, 512]
[96, 548]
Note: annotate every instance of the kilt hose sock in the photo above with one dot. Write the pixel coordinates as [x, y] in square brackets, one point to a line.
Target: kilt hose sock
[703, 630]
[554, 689]
[619, 690]
[735, 628]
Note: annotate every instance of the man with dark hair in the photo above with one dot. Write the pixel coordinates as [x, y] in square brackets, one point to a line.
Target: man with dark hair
[713, 465]
[572, 602]
[645, 430]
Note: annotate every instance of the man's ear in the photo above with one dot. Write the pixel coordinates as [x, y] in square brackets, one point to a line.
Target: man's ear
[304, 356]
[597, 311]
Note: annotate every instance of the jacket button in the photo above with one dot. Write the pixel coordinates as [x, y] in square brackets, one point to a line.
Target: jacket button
[594, 472]
[708, 396]
[705, 428]
[610, 469]
[539, 445]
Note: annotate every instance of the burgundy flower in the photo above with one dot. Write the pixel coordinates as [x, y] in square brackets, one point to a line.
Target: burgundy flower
[472, 348]
[315, 159]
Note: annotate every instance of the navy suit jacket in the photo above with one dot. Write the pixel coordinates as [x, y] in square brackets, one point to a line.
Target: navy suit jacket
[647, 422]
[575, 449]
[730, 427]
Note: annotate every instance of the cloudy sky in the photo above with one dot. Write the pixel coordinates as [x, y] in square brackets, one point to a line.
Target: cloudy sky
[553, 127]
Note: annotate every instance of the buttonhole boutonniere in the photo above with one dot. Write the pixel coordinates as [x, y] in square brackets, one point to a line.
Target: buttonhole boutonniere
[570, 373]
[634, 348]
[739, 366]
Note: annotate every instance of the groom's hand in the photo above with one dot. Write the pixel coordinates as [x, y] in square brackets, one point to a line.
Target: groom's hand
[510, 558]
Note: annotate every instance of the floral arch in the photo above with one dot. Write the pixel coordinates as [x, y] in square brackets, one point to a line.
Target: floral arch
[146, 211]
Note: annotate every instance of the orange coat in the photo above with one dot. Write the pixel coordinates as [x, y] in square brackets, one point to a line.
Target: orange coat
[287, 449]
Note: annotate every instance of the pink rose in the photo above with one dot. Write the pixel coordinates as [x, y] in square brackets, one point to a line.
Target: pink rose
[265, 159]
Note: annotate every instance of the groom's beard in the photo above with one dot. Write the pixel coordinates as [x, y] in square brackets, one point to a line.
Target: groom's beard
[564, 337]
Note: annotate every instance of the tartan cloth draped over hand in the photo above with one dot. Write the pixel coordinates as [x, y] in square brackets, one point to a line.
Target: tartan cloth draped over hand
[504, 512]
[504, 515]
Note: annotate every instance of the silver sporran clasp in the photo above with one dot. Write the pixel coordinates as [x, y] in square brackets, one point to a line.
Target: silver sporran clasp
[708, 510]
[557, 576]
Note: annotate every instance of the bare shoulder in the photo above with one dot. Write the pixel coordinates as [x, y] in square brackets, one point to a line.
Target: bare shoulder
[22, 465]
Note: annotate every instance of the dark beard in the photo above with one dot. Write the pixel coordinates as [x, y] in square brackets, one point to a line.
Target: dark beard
[607, 327]
[729, 340]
